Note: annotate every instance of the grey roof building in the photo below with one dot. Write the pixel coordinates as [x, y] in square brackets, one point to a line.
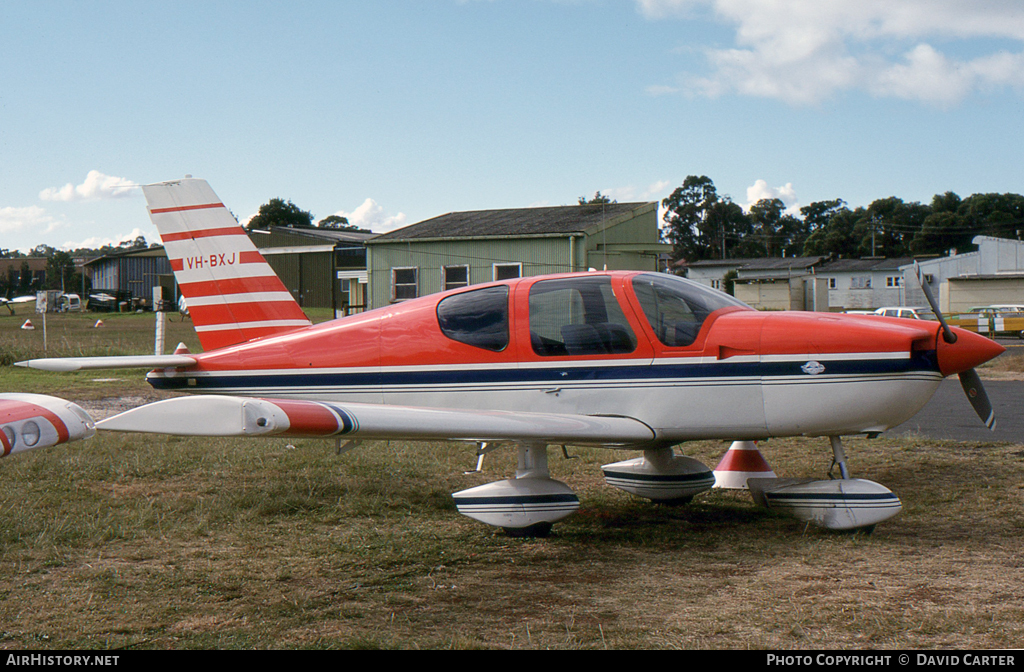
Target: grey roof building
[464, 248]
[712, 272]
[866, 284]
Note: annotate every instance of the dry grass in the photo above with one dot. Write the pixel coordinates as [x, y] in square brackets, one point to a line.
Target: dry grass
[131, 541]
[152, 542]
[1008, 365]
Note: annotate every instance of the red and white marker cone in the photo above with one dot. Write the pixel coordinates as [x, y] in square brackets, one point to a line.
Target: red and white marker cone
[742, 461]
[27, 325]
[182, 349]
[99, 323]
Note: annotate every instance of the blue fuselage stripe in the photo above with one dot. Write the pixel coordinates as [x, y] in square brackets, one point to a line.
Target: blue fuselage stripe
[572, 372]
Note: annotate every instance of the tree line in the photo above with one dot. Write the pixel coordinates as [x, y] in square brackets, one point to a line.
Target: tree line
[702, 224]
[62, 273]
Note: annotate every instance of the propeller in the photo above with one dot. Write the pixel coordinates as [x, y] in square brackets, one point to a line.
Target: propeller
[969, 379]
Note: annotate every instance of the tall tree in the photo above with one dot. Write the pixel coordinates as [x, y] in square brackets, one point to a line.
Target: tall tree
[339, 223]
[998, 215]
[61, 272]
[777, 231]
[598, 199]
[702, 225]
[277, 212]
[887, 226]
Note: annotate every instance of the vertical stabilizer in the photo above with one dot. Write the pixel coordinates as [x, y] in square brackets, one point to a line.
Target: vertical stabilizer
[233, 294]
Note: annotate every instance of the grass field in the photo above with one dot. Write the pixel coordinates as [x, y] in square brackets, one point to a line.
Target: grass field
[129, 541]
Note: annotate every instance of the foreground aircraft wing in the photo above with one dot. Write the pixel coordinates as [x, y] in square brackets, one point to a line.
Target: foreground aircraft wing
[29, 421]
[209, 415]
[126, 362]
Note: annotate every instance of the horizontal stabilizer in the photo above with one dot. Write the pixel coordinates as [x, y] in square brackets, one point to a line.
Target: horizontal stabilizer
[128, 362]
[210, 415]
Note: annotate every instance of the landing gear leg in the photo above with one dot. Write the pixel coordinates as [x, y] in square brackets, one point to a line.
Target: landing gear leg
[838, 457]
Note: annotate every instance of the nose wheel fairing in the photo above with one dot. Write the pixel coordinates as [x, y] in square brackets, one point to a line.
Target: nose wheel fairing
[660, 476]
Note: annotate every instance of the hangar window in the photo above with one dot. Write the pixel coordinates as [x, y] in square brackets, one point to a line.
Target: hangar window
[676, 308]
[507, 271]
[404, 283]
[478, 318]
[578, 316]
[455, 277]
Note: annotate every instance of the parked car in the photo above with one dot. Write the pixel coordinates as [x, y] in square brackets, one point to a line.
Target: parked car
[999, 308]
[69, 303]
[906, 312]
[995, 320]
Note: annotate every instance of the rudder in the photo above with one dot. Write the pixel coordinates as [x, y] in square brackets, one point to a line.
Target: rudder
[233, 294]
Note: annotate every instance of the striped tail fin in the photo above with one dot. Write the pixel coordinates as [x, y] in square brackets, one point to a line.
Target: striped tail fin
[233, 294]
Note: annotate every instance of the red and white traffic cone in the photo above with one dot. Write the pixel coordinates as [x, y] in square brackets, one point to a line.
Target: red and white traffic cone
[742, 461]
[27, 325]
[99, 323]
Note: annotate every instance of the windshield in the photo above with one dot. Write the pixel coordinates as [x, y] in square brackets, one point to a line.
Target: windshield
[676, 308]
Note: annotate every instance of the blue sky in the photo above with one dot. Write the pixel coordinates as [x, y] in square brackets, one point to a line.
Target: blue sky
[392, 111]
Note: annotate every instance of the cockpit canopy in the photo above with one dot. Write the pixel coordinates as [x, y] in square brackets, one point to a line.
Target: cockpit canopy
[676, 308]
[581, 315]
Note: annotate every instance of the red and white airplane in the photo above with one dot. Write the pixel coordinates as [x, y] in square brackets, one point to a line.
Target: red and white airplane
[617, 359]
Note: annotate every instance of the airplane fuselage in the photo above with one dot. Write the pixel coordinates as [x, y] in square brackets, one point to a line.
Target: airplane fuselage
[743, 374]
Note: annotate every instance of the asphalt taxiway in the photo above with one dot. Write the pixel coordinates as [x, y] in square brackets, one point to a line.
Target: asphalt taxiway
[949, 415]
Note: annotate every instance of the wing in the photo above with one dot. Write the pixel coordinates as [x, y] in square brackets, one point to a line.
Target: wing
[209, 415]
[125, 362]
[29, 421]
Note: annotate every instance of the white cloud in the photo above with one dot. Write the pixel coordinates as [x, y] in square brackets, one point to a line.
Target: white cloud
[760, 190]
[96, 186]
[656, 190]
[33, 219]
[805, 51]
[97, 242]
[370, 215]
[631, 193]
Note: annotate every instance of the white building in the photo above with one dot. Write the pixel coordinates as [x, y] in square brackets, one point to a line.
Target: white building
[866, 284]
[992, 274]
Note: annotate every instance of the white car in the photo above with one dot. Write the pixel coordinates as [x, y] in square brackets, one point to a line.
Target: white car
[910, 313]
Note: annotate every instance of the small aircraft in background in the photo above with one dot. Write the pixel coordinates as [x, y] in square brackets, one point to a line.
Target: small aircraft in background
[628, 359]
[9, 304]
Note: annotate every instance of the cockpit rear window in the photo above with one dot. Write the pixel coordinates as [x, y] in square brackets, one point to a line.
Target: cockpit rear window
[478, 317]
[676, 308]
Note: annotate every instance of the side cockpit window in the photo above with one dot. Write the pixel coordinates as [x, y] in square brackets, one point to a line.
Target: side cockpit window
[478, 318]
[578, 316]
[676, 308]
